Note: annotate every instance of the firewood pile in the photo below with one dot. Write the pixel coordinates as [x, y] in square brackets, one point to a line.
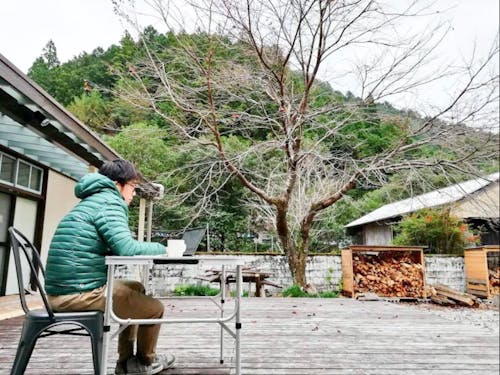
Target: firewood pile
[494, 276]
[389, 274]
[447, 296]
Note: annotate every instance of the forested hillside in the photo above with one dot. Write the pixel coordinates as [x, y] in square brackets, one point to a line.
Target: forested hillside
[102, 89]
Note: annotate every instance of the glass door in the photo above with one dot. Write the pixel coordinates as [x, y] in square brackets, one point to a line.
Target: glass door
[5, 222]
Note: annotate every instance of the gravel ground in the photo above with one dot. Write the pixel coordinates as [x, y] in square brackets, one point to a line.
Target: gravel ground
[488, 317]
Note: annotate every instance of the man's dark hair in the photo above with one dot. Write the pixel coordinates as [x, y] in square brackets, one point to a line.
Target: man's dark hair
[121, 171]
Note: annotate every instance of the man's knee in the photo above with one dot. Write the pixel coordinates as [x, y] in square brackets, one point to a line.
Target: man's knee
[125, 286]
[134, 285]
[159, 308]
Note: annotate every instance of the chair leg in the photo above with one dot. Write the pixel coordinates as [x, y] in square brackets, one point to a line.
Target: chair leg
[95, 329]
[96, 352]
[24, 349]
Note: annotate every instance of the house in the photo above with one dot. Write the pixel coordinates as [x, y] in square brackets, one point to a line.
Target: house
[44, 150]
[476, 201]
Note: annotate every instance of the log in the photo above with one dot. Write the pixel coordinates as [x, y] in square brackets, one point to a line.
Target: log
[442, 300]
[455, 295]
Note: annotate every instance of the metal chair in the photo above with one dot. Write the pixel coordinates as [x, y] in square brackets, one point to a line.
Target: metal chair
[42, 323]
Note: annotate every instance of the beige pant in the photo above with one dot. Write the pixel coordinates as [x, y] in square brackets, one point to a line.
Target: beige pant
[129, 301]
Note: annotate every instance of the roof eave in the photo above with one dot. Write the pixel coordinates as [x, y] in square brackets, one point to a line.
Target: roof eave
[27, 87]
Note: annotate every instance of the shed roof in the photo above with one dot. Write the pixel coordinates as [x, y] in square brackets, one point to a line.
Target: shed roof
[435, 198]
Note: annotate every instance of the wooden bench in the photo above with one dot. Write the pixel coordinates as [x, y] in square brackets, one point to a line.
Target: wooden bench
[249, 276]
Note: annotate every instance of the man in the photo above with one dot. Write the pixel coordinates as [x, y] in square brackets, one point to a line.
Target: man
[76, 271]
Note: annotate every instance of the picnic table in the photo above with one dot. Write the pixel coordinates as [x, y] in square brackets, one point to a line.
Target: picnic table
[249, 275]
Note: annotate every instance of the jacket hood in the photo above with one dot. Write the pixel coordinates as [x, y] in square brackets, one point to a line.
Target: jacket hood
[93, 183]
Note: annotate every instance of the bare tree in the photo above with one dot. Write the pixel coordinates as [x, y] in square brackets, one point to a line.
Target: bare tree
[293, 152]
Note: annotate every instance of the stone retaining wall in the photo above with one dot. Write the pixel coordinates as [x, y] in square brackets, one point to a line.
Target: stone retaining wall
[325, 272]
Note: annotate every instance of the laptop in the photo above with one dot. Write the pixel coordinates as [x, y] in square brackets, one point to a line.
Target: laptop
[193, 237]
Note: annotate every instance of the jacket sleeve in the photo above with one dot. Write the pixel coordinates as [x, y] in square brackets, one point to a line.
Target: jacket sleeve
[112, 225]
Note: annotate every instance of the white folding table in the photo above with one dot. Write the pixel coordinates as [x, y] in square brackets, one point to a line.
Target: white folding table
[149, 261]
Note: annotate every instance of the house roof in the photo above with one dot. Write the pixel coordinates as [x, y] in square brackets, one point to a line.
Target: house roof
[36, 125]
[435, 198]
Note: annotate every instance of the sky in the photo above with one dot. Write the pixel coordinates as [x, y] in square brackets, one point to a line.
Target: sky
[82, 25]
[74, 26]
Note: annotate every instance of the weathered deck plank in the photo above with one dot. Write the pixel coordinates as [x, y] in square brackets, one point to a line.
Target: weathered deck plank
[295, 336]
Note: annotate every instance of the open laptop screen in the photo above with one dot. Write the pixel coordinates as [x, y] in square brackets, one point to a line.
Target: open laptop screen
[193, 237]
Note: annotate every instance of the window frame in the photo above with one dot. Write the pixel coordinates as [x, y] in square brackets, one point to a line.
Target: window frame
[31, 166]
[10, 183]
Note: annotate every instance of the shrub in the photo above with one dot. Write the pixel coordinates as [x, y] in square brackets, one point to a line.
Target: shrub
[441, 232]
[328, 294]
[195, 290]
[296, 291]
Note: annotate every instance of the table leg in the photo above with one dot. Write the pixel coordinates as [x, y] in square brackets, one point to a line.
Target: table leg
[107, 311]
[145, 279]
[222, 301]
[238, 318]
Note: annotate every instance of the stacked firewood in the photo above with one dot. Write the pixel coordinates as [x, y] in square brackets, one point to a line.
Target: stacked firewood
[388, 274]
[494, 276]
[444, 295]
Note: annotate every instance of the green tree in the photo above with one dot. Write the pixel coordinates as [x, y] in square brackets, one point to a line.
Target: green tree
[93, 111]
[66, 81]
[40, 73]
[43, 69]
[49, 54]
[145, 146]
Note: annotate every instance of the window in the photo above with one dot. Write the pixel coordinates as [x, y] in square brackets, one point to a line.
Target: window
[7, 168]
[23, 174]
[20, 173]
[36, 179]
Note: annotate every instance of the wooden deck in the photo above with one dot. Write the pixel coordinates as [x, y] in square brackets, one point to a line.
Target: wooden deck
[295, 336]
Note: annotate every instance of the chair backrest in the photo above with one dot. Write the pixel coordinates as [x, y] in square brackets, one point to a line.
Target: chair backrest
[193, 237]
[24, 249]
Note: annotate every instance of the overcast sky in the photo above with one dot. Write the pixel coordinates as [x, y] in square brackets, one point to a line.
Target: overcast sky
[82, 25]
[74, 26]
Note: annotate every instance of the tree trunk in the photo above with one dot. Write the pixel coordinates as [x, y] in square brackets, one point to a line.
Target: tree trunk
[299, 267]
[296, 255]
[297, 263]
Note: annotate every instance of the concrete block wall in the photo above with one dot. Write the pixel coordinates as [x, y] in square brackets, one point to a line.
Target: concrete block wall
[446, 270]
[325, 272]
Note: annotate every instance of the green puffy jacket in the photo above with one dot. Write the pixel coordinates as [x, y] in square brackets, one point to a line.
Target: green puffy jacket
[94, 228]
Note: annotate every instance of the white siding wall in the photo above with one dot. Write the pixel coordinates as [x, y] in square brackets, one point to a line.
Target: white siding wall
[482, 204]
[60, 199]
[25, 221]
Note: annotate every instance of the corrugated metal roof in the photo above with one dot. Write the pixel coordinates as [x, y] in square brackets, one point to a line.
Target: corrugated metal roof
[435, 198]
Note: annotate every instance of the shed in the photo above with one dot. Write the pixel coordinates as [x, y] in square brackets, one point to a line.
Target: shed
[477, 201]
